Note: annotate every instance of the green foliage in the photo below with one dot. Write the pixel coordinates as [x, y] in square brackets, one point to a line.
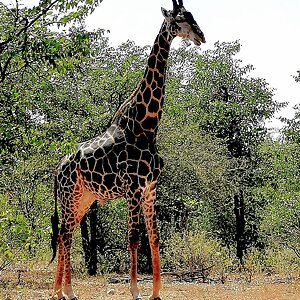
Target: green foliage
[291, 129]
[26, 39]
[279, 188]
[14, 231]
[275, 259]
[281, 260]
[195, 177]
[61, 87]
[33, 59]
[215, 94]
[196, 253]
[24, 215]
[112, 229]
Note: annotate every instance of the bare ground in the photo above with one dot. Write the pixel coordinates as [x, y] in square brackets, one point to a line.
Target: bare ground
[37, 284]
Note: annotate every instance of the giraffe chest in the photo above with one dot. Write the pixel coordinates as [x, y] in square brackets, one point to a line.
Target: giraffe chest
[142, 165]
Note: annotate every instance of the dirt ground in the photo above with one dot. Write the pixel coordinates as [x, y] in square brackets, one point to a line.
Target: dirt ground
[37, 284]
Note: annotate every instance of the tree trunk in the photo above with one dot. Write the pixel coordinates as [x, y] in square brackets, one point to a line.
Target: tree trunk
[89, 241]
[85, 240]
[239, 211]
[92, 267]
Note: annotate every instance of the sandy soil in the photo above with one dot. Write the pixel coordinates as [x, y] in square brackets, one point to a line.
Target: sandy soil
[37, 284]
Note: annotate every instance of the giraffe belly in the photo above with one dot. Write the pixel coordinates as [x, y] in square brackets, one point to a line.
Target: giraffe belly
[104, 187]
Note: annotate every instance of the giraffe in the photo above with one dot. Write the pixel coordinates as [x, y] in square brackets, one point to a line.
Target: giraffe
[122, 162]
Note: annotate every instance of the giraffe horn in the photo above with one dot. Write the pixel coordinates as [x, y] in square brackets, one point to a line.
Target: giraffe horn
[175, 5]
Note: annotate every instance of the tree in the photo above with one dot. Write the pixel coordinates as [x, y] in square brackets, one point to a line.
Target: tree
[291, 129]
[237, 107]
[33, 57]
[281, 188]
[278, 186]
[195, 175]
[217, 93]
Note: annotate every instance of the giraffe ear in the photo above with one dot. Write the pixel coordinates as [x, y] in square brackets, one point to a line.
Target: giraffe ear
[166, 13]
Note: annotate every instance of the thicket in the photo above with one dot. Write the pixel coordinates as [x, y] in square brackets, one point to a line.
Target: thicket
[229, 193]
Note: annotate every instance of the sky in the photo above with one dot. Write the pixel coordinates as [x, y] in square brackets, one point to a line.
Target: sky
[268, 31]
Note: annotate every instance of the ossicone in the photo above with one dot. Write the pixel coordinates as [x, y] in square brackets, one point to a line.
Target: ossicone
[177, 6]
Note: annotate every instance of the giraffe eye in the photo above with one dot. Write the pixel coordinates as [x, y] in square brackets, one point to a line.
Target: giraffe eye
[174, 26]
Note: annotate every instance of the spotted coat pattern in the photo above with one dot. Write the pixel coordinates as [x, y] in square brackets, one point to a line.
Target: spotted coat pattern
[122, 162]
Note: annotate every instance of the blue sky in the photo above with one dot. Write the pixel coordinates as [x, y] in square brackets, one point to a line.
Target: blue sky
[268, 30]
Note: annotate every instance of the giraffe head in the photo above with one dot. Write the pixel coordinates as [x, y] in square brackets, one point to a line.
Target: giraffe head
[181, 23]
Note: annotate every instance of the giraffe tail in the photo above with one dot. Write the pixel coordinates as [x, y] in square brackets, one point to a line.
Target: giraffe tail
[54, 223]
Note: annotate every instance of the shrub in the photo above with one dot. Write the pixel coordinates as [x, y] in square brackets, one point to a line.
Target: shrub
[276, 259]
[281, 259]
[196, 253]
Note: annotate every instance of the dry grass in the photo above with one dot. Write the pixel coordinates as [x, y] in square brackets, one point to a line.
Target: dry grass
[37, 284]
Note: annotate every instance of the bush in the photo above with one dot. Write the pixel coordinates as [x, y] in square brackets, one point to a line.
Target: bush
[281, 259]
[196, 253]
[276, 259]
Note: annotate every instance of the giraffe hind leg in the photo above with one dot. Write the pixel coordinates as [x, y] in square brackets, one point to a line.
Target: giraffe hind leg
[59, 269]
[68, 291]
[63, 270]
[75, 201]
[85, 201]
[133, 271]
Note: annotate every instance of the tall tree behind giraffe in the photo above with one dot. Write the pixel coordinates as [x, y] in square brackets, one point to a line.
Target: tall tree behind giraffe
[226, 101]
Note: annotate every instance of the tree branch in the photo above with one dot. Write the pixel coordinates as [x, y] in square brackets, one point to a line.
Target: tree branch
[28, 24]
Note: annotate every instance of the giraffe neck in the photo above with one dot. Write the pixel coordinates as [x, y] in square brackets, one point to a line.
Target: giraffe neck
[141, 112]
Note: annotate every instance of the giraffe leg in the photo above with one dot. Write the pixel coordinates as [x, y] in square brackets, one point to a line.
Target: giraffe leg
[84, 201]
[133, 241]
[63, 270]
[152, 229]
[59, 269]
[133, 271]
[74, 206]
[68, 291]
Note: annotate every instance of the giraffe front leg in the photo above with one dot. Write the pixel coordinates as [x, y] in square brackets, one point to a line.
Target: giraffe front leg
[133, 243]
[148, 207]
[133, 271]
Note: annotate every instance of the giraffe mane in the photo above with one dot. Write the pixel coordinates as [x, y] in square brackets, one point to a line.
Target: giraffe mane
[120, 110]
